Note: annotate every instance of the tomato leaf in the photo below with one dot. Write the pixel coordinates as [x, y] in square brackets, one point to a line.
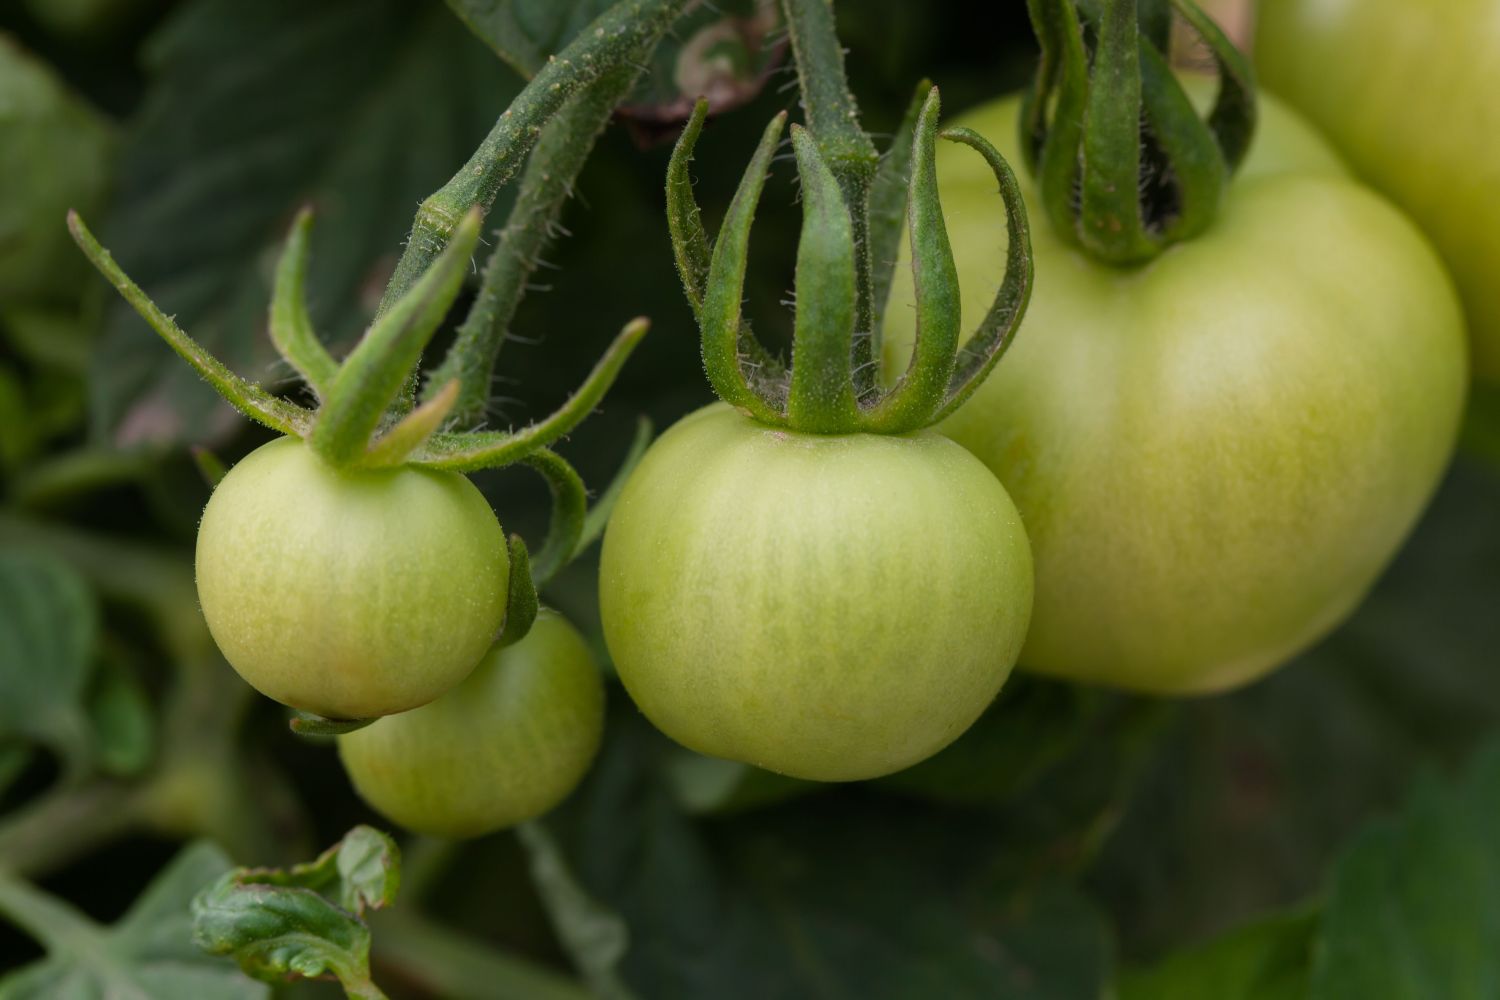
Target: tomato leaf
[1266, 960]
[834, 889]
[306, 920]
[1413, 910]
[358, 108]
[56, 156]
[48, 626]
[148, 954]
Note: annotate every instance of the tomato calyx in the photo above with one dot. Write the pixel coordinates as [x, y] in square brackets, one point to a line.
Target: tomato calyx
[1126, 165]
[822, 390]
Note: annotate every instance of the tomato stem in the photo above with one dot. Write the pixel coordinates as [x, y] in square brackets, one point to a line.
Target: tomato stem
[544, 189]
[623, 35]
[833, 120]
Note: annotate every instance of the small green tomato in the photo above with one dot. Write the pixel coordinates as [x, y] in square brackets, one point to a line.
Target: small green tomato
[504, 746]
[831, 607]
[353, 593]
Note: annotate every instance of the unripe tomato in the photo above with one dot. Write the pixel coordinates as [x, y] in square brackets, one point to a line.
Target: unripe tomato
[1215, 453]
[349, 593]
[1407, 91]
[506, 745]
[829, 607]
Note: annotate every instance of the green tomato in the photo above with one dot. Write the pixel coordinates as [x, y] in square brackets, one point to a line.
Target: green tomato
[1407, 91]
[506, 745]
[827, 607]
[1217, 452]
[351, 594]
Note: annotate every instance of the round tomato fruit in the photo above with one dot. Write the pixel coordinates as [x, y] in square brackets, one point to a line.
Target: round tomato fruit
[506, 745]
[1216, 452]
[831, 607]
[1407, 92]
[353, 593]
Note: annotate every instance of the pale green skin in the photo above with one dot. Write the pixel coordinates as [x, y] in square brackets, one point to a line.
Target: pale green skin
[828, 607]
[1407, 90]
[1217, 453]
[349, 594]
[504, 746]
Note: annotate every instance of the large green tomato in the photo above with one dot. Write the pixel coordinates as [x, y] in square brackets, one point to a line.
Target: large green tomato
[349, 594]
[506, 745]
[1407, 89]
[1217, 452]
[828, 607]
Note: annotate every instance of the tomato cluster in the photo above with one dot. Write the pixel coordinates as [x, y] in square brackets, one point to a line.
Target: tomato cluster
[1237, 377]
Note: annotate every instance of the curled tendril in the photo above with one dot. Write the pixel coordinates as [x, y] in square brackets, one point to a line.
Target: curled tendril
[1125, 163]
[820, 391]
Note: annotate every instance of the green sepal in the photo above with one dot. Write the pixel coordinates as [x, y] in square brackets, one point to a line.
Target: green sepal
[476, 450]
[569, 508]
[521, 602]
[820, 399]
[921, 391]
[375, 372]
[1125, 164]
[719, 319]
[888, 208]
[984, 349]
[246, 397]
[409, 433]
[310, 724]
[291, 327]
[693, 254]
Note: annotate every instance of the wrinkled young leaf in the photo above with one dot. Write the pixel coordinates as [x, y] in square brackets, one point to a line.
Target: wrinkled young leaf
[148, 955]
[48, 626]
[1267, 960]
[303, 921]
[837, 891]
[1413, 911]
[55, 155]
[723, 51]
[357, 107]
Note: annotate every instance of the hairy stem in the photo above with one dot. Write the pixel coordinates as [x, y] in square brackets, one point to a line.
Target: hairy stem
[621, 36]
[545, 187]
[833, 120]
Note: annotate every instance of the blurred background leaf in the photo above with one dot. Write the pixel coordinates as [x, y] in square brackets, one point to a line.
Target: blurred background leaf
[49, 624]
[149, 953]
[358, 107]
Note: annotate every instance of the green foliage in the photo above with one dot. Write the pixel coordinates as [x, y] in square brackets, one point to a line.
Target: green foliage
[835, 895]
[147, 955]
[56, 155]
[54, 697]
[307, 920]
[358, 108]
[1409, 913]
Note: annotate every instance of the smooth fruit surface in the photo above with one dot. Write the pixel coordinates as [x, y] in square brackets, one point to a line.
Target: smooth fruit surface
[349, 594]
[1407, 91]
[506, 745]
[1215, 453]
[828, 607]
